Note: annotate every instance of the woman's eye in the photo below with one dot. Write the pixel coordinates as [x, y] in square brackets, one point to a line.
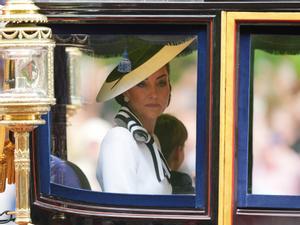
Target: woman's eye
[162, 83]
[141, 84]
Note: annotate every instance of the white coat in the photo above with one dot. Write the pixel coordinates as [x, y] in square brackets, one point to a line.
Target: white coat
[126, 166]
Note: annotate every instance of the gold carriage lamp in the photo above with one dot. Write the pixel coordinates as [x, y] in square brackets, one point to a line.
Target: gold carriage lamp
[26, 86]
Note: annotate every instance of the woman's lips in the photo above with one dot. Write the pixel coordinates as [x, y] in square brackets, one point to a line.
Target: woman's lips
[152, 105]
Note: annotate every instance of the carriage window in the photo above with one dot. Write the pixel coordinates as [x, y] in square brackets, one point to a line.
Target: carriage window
[100, 141]
[132, 120]
[276, 121]
[268, 121]
[135, 107]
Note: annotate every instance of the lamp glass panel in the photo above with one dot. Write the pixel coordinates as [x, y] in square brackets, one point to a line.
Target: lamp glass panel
[24, 72]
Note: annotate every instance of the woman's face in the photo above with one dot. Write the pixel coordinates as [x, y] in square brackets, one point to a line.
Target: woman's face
[149, 98]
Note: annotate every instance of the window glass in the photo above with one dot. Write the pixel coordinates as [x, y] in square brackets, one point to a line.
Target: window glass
[276, 120]
[90, 121]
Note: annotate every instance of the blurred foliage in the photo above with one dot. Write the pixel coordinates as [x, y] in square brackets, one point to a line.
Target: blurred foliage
[276, 58]
[179, 64]
[109, 61]
[296, 61]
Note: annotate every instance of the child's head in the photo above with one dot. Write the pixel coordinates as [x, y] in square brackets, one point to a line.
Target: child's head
[172, 135]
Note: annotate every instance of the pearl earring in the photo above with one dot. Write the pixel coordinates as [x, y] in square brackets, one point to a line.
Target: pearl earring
[126, 99]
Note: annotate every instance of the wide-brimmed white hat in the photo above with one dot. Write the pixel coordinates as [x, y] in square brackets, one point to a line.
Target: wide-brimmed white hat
[138, 65]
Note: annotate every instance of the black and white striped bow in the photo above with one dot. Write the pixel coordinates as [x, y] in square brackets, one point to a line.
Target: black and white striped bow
[127, 119]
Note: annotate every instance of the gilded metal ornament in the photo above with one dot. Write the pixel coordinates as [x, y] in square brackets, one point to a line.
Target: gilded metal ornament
[27, 92]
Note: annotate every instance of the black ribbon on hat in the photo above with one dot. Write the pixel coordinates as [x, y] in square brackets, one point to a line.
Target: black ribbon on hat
[127, 119]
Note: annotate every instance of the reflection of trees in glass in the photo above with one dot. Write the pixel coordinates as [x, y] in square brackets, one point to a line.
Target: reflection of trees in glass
[275, 60]
[276, 124]
[178, 65]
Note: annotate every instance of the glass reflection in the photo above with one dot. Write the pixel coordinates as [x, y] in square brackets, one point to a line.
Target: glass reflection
[276, 116]
[91, 122]
[23, 72]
